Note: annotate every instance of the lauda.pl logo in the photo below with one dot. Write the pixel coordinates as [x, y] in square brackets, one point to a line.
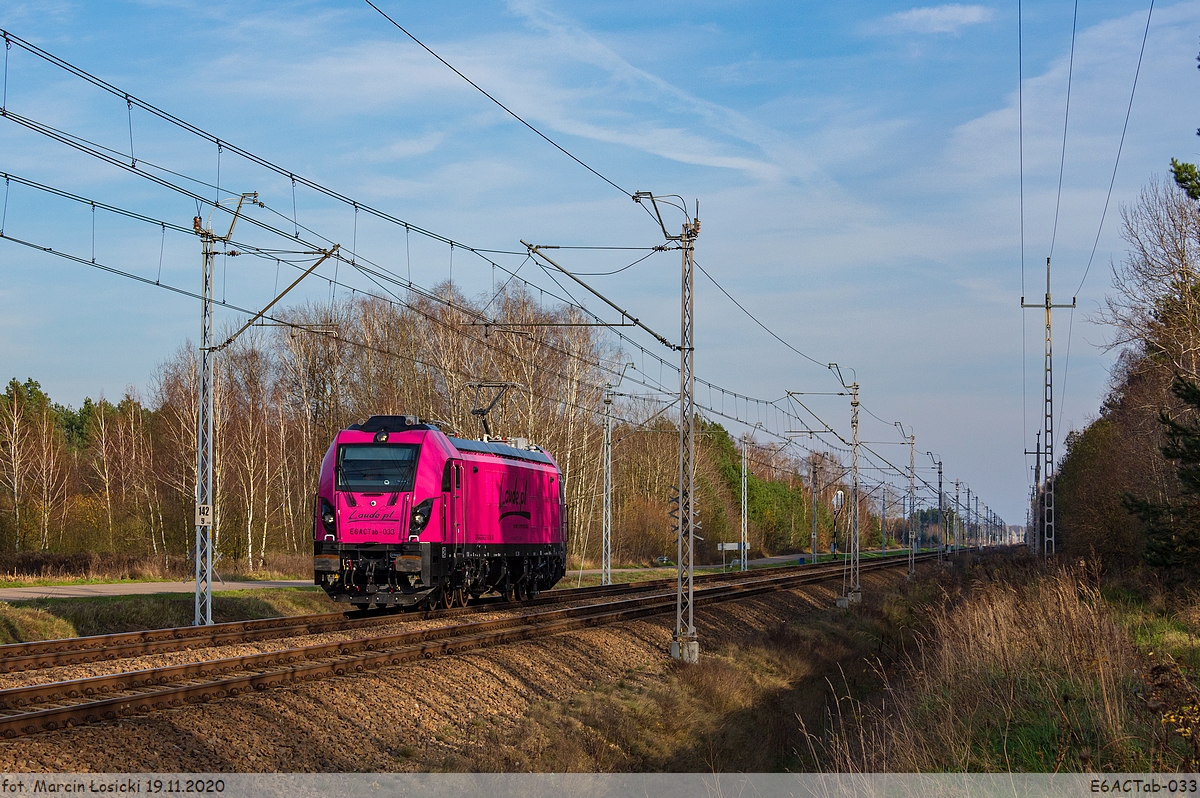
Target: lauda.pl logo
[512, 501]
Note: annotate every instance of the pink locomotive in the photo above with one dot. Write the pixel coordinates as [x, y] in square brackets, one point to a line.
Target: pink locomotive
[407, 515]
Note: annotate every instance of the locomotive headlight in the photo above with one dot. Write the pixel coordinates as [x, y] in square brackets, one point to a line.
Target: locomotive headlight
[328, 517]
[420, 515]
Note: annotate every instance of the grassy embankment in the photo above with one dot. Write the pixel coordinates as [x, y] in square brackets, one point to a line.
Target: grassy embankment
[46, 619]
[42, 619]
[1033, 670]
[737, 710]
[989, 666]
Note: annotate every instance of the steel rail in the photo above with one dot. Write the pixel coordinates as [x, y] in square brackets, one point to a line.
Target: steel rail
[109, 697]
[36, 655]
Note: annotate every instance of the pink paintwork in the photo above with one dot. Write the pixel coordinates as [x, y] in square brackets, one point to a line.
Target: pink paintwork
[492, 499]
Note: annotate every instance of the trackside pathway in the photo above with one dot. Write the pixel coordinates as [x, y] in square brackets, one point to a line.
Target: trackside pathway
[136, 589]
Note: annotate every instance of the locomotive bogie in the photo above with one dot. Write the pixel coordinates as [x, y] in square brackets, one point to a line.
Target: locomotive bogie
[405, 515]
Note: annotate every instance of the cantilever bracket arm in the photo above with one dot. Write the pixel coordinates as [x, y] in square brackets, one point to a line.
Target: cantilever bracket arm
[538, 250]
[325, 255]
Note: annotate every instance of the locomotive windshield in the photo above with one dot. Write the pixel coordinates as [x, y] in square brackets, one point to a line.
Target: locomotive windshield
[377, 468]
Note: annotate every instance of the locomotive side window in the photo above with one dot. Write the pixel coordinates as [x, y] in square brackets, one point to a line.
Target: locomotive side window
[377, 468]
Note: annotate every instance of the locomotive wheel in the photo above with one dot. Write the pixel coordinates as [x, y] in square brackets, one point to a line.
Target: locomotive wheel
[460, 597]
[508, 592]
[446, 599]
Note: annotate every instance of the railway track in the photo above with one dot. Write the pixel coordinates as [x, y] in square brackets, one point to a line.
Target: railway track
[46, 707]
[20, 657]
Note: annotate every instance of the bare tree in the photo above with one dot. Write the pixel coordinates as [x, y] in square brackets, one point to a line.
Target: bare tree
[1155, 304]
[103, 459]
[49, 472]
[14, 448]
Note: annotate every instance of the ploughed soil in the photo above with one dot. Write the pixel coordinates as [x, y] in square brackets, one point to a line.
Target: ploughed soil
[600, 699]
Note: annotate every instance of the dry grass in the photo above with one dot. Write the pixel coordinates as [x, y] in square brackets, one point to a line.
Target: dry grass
[46, 619]
[47, 568]
[35, 567]
[276, 565]
[1015, 677]
[22, 624]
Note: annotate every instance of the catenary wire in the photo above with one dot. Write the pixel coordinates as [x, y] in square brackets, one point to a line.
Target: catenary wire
[65, 138]
[282, 321]
[508, 110]
[754, 318]
[223, 145]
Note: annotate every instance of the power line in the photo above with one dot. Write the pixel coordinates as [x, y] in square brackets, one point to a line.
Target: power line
[1108, 197]
[250, 249]
[115, 158]
[224, 145]
[1120, 146]
[1066, 115]
[508, 110]
[1021, 182]
[359, 265]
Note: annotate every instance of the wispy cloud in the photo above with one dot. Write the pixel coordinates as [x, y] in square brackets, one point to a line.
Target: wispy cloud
[950, 18]
[728, 139]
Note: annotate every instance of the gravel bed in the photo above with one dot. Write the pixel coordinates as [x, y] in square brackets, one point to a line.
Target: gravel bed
[398, 623]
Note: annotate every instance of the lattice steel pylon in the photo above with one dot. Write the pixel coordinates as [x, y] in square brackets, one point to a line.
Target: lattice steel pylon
[1048, 539]
[606, 526]
[855, 581]
[912, 500]
[204, 420]
[684, 644]
[957, 518]
[744, 549]
[968, 532]
[204, 439]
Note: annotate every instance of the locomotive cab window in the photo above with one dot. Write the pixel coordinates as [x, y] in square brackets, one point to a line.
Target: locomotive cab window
[377, 468]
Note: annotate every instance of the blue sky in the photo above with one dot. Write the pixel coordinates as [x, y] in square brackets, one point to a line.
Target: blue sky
[856, 165]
